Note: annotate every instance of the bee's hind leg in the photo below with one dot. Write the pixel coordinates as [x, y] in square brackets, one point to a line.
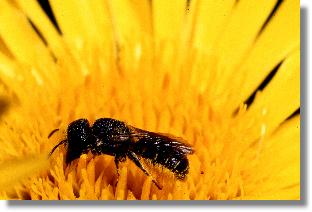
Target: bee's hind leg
[137, 162]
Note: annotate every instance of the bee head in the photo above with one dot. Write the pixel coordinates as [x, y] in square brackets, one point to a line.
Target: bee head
[79, 139]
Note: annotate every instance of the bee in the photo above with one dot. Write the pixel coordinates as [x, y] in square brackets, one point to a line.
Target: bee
[116, 138]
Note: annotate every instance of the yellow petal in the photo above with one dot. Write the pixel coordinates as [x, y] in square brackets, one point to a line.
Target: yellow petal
[210, 18]
[132, 26]
[279, 99]
[68, 18]
[4, 49]
[168, 18]
[19, 36]
[235, 41]
[130, 18]
[87, 30]
[102, 23]
[81, 20]
[44, 25]
[277, 41]
[6, 67]
[278, 168]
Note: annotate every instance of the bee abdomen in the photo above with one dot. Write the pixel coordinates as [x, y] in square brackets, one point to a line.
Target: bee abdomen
[175, 161]
[180, 167]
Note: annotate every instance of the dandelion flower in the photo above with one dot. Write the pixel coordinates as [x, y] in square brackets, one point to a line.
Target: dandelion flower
[194, 69]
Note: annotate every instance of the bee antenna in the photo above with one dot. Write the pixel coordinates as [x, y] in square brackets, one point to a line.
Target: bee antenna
[52, 132]
[54, 148]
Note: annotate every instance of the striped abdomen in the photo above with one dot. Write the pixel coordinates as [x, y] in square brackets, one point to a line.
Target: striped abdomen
[165, 151]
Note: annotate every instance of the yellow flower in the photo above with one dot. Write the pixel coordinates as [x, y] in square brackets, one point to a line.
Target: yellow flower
[181, 67]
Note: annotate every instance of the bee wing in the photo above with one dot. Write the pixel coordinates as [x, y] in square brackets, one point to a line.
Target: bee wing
[164, 139]
[177, 142]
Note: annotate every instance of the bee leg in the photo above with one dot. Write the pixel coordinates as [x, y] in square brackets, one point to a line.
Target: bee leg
[118, 159]
[137, 162]
[117, 168]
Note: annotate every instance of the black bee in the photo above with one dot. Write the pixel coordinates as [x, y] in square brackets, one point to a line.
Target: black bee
[116, 138]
